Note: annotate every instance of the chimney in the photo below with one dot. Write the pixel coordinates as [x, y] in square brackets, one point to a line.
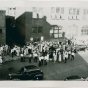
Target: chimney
[44, 18]
[37, 15]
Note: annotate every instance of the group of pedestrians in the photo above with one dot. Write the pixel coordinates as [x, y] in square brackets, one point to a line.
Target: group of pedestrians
[45, 52]
[40, 52]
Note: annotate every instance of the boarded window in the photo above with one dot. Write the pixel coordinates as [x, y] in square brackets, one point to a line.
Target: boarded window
[34, 29]
[40, 29]
[0, 30]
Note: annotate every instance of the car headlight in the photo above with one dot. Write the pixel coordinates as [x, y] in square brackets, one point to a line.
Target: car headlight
[9, 74]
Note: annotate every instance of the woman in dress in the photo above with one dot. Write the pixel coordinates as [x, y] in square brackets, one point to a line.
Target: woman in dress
[55, 57]
[59, 57]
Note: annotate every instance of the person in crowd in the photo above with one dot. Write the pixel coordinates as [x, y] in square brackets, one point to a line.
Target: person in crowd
[72, 55]
[40, 57]
[55, 56]
[69, 54]
[12, 52]
[0, 60]
[51, 56]
[59, 57]
[42, 60]
[22, 57]
[63, 55]
[45, 59]
[66, 56]
[35, 56]
[30, 58]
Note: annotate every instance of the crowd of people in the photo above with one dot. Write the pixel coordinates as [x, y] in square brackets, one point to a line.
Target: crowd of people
[41, 52]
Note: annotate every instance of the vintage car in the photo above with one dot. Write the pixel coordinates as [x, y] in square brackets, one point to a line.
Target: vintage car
[30, 72]
[74, 78]
[80, 47]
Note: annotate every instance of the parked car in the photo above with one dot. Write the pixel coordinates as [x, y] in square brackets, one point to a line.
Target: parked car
[30, 72]
[80, 47]
[74, 78]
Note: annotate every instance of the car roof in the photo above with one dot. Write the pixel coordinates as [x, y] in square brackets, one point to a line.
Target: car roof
[30, 67]
[74, 76]
[33, 70]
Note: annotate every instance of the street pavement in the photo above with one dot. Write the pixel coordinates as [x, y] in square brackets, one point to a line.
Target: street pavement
[53, 71]
[84, 55]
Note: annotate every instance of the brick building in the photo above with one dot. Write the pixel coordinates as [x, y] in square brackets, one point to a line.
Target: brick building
[32, 28]
[36, 29]
[2, 27]
[10, 30]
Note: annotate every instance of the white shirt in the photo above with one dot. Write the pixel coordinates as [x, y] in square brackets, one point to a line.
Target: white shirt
[69, 52]
[73, 53]
[35, 55]
[21, 55]
[66, 55]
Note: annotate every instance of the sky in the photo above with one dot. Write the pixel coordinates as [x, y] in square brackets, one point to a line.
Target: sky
[27, 6]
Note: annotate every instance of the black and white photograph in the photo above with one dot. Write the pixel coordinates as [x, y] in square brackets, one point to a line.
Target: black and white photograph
[44, 41]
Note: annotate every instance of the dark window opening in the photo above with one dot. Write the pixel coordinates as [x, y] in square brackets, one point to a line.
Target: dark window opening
[0, 30]
[40, 30]
[34, 29]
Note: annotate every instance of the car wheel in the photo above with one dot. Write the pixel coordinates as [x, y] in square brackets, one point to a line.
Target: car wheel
[9, 78]
[37, 78]
[15, 79]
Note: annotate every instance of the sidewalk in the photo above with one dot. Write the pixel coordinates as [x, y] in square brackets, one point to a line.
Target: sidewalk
[9, 58]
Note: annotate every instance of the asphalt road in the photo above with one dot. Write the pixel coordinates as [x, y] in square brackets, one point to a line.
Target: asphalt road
[53, 71]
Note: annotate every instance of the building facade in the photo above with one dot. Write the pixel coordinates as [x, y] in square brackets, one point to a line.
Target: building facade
[32, 29]
[2, 27]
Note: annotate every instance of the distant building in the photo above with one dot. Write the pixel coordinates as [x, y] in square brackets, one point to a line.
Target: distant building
[72, 31]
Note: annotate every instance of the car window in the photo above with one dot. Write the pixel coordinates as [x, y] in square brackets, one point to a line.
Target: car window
[77, 77]
[34, 72]
[22, 69]
[30, 67]
[73, 77]
[25, 73]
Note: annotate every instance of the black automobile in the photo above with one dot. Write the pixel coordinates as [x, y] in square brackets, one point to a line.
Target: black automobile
[74, 78]
[30, 72]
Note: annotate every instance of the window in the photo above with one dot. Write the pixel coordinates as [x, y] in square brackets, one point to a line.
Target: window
[34, 29]
[77, 11]
[0, 30]
[57, 9]
[56, 36]
[55, 31]
[60, 35]
[74, 11]
[51, 31]
[70, 10]
[62, 10]
[40, 30]
[84, 12]
[52, 9]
